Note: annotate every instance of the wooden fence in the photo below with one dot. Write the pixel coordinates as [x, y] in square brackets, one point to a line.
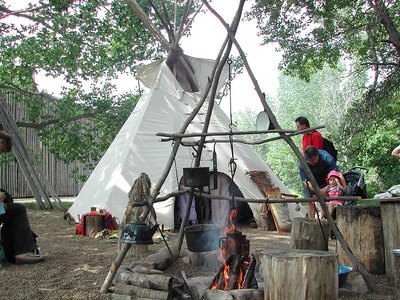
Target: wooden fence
[57, 173]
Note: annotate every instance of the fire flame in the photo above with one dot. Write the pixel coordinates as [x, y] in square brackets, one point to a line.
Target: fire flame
[242, 272]
[231, 228]
[226, 272]
[214, 286]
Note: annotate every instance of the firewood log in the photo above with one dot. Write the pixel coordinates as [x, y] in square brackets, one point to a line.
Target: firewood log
[140, 292]
[149, 281]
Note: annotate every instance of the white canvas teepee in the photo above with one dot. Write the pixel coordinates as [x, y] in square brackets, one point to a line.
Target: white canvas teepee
[136, 148]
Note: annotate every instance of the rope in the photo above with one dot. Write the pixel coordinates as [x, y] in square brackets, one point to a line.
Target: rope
[232, 163]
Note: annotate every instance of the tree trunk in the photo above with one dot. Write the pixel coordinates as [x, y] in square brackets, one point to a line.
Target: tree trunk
[309, 234]
[390, 212]
[300, 274]
[94, 224]
[396, 257]
[361, 227]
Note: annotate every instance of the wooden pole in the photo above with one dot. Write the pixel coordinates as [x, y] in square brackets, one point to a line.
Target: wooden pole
[156, 190]
[114, 268]
[367, 277]
[217, 74]
[38, 183]
[266, 201]
[13, 132]
[173, 136]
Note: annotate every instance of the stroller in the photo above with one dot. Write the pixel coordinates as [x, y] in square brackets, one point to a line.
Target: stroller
[355, 181]
[355, 186]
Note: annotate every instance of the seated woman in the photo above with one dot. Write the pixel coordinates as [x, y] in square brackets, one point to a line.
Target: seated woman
[17, 237]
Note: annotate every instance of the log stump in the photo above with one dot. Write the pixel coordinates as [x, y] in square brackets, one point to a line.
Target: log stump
[361, 227]
[309, 234]
[300, 274]
[94, 224]
[390, 212]
[396, 256]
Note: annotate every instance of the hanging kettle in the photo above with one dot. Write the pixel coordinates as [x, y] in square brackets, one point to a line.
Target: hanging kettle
[137, 232]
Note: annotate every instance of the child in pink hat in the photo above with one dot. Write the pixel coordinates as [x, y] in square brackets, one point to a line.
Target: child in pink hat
[336, 187]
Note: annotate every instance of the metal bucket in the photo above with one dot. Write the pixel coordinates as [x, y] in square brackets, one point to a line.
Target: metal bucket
[202, 237]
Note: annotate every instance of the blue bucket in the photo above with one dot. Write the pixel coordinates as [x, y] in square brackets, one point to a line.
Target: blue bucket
[343, 273]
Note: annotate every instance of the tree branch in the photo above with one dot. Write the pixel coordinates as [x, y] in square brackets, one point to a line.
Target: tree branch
[21, 13]
[387, 22]
[53, 121]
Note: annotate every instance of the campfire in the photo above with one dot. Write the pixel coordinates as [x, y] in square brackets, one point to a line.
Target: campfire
[237, 272]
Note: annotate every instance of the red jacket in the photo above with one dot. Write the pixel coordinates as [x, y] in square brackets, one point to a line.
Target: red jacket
[313, 138]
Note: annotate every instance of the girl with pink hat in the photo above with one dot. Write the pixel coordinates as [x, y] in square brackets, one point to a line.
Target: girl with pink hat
[336, 187]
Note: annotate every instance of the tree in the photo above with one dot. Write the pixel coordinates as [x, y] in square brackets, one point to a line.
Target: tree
[80, 41]
[324, 100]
[314, 33]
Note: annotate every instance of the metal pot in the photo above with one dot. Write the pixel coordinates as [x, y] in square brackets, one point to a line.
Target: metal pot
[202, 237]
[196, 177]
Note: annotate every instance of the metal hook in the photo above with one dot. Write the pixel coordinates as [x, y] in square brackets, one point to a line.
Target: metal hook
[195, 155]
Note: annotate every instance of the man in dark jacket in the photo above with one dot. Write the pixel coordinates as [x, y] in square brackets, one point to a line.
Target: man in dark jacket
[320, 163]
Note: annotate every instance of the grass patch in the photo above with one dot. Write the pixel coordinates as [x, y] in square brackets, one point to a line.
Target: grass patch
[34, 206]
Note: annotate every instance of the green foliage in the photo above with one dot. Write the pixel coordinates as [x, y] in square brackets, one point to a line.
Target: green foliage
[276, 154]
[106, 114]
[324, 100]
[373, 147]
[79, 41]
[312, 34]
[360, 113]
[315, 33]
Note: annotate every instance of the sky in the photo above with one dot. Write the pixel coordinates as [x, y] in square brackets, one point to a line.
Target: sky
[206, 39]
[207, 36]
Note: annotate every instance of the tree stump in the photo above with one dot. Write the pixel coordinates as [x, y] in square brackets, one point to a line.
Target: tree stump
[390, 211]
[300, 274]
[309, 234]
[139, 251]
[396, 257]
[361, 227]
[94, 224]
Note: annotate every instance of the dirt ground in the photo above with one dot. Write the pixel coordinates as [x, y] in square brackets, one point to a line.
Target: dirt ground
[76, 266]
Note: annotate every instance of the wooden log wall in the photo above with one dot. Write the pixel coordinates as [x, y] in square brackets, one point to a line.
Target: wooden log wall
[361, 227]
[390, 211]
[57, 172]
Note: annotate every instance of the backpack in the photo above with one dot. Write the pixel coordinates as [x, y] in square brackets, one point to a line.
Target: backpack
[330, 148]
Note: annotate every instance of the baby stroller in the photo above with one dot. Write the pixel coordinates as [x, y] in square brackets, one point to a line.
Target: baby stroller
[355, 181]
[355, 186]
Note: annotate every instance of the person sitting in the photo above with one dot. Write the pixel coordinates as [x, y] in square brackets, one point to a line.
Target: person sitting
[336, 187]
[18, 240]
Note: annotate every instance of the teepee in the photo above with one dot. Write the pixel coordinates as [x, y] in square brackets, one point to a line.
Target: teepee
[136, 148]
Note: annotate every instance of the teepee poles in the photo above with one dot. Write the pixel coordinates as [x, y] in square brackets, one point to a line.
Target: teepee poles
[368, 279]
[216, 72]
[37, 182]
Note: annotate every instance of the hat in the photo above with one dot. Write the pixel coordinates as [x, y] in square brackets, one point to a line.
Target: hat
[333, 174]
